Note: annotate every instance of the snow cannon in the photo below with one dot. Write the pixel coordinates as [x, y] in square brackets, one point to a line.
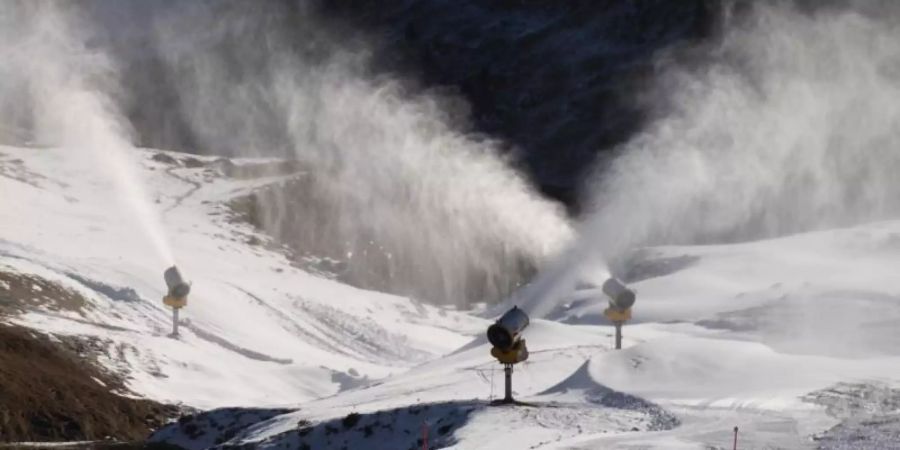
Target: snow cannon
[621, 299]
[175, 282]
[508, 346]
[177, 294]
[507, 330]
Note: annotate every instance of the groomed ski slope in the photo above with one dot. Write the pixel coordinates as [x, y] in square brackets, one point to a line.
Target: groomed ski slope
[755, 335]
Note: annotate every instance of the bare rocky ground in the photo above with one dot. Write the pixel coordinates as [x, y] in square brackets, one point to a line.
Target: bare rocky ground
[869, 414]
[398, 428]
[51, 390]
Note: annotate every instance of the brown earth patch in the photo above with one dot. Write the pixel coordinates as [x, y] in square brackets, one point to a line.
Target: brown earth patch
[19, 292]
[51, 390]
[49, 394]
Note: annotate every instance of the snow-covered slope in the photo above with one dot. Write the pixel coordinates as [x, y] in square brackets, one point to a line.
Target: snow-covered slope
[783, 338]
[257, 330]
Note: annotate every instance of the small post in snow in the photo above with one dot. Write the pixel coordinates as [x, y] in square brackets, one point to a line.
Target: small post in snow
[735, 437]
[618, 325]
[507, 390]
[424, 435]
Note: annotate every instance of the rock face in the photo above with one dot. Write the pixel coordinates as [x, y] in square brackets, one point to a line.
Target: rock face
[372, 263]
[559, 80]
[50, 394]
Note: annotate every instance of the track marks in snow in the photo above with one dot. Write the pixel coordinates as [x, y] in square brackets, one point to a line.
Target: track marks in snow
[289, 323]
[228, 345]
[340, 332]
[365, 338]
[195, 186]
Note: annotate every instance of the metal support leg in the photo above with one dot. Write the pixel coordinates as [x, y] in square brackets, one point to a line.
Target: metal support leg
[174, 322]
[507, 371]
[618, 335]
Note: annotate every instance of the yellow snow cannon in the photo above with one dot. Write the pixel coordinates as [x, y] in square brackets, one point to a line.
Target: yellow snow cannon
[176, 298]
[508, 345]
[621, 299]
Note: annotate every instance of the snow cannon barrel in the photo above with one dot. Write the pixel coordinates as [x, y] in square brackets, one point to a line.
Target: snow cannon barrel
[507, 330]
[620, 297]
[178, 287]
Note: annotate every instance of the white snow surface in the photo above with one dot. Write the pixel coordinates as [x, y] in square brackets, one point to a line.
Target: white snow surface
[722, 336]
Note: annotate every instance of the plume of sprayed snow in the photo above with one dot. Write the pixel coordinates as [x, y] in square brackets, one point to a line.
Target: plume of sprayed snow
[448, 218]
[789, 124]
[62, 92]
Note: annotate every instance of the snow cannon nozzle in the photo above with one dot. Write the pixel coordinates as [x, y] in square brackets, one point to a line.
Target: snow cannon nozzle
[620, 296]
[178, 287]
[621, 299]
[177, 296]
[507, 330]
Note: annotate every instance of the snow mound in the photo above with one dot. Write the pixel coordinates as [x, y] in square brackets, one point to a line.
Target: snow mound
[582, 384]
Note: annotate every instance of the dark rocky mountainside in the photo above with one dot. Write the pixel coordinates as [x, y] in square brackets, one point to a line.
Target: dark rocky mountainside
[558, 80]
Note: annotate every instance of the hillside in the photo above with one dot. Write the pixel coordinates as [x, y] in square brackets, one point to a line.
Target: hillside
[283, 335]
[48, 395]
[355, 191]
[777, 337]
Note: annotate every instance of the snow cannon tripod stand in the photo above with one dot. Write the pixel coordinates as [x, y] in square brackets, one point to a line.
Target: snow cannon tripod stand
[508, 346]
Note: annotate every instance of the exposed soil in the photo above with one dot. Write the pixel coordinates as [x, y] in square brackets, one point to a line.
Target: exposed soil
[50, 389]
[19, 292]
[49, 394]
